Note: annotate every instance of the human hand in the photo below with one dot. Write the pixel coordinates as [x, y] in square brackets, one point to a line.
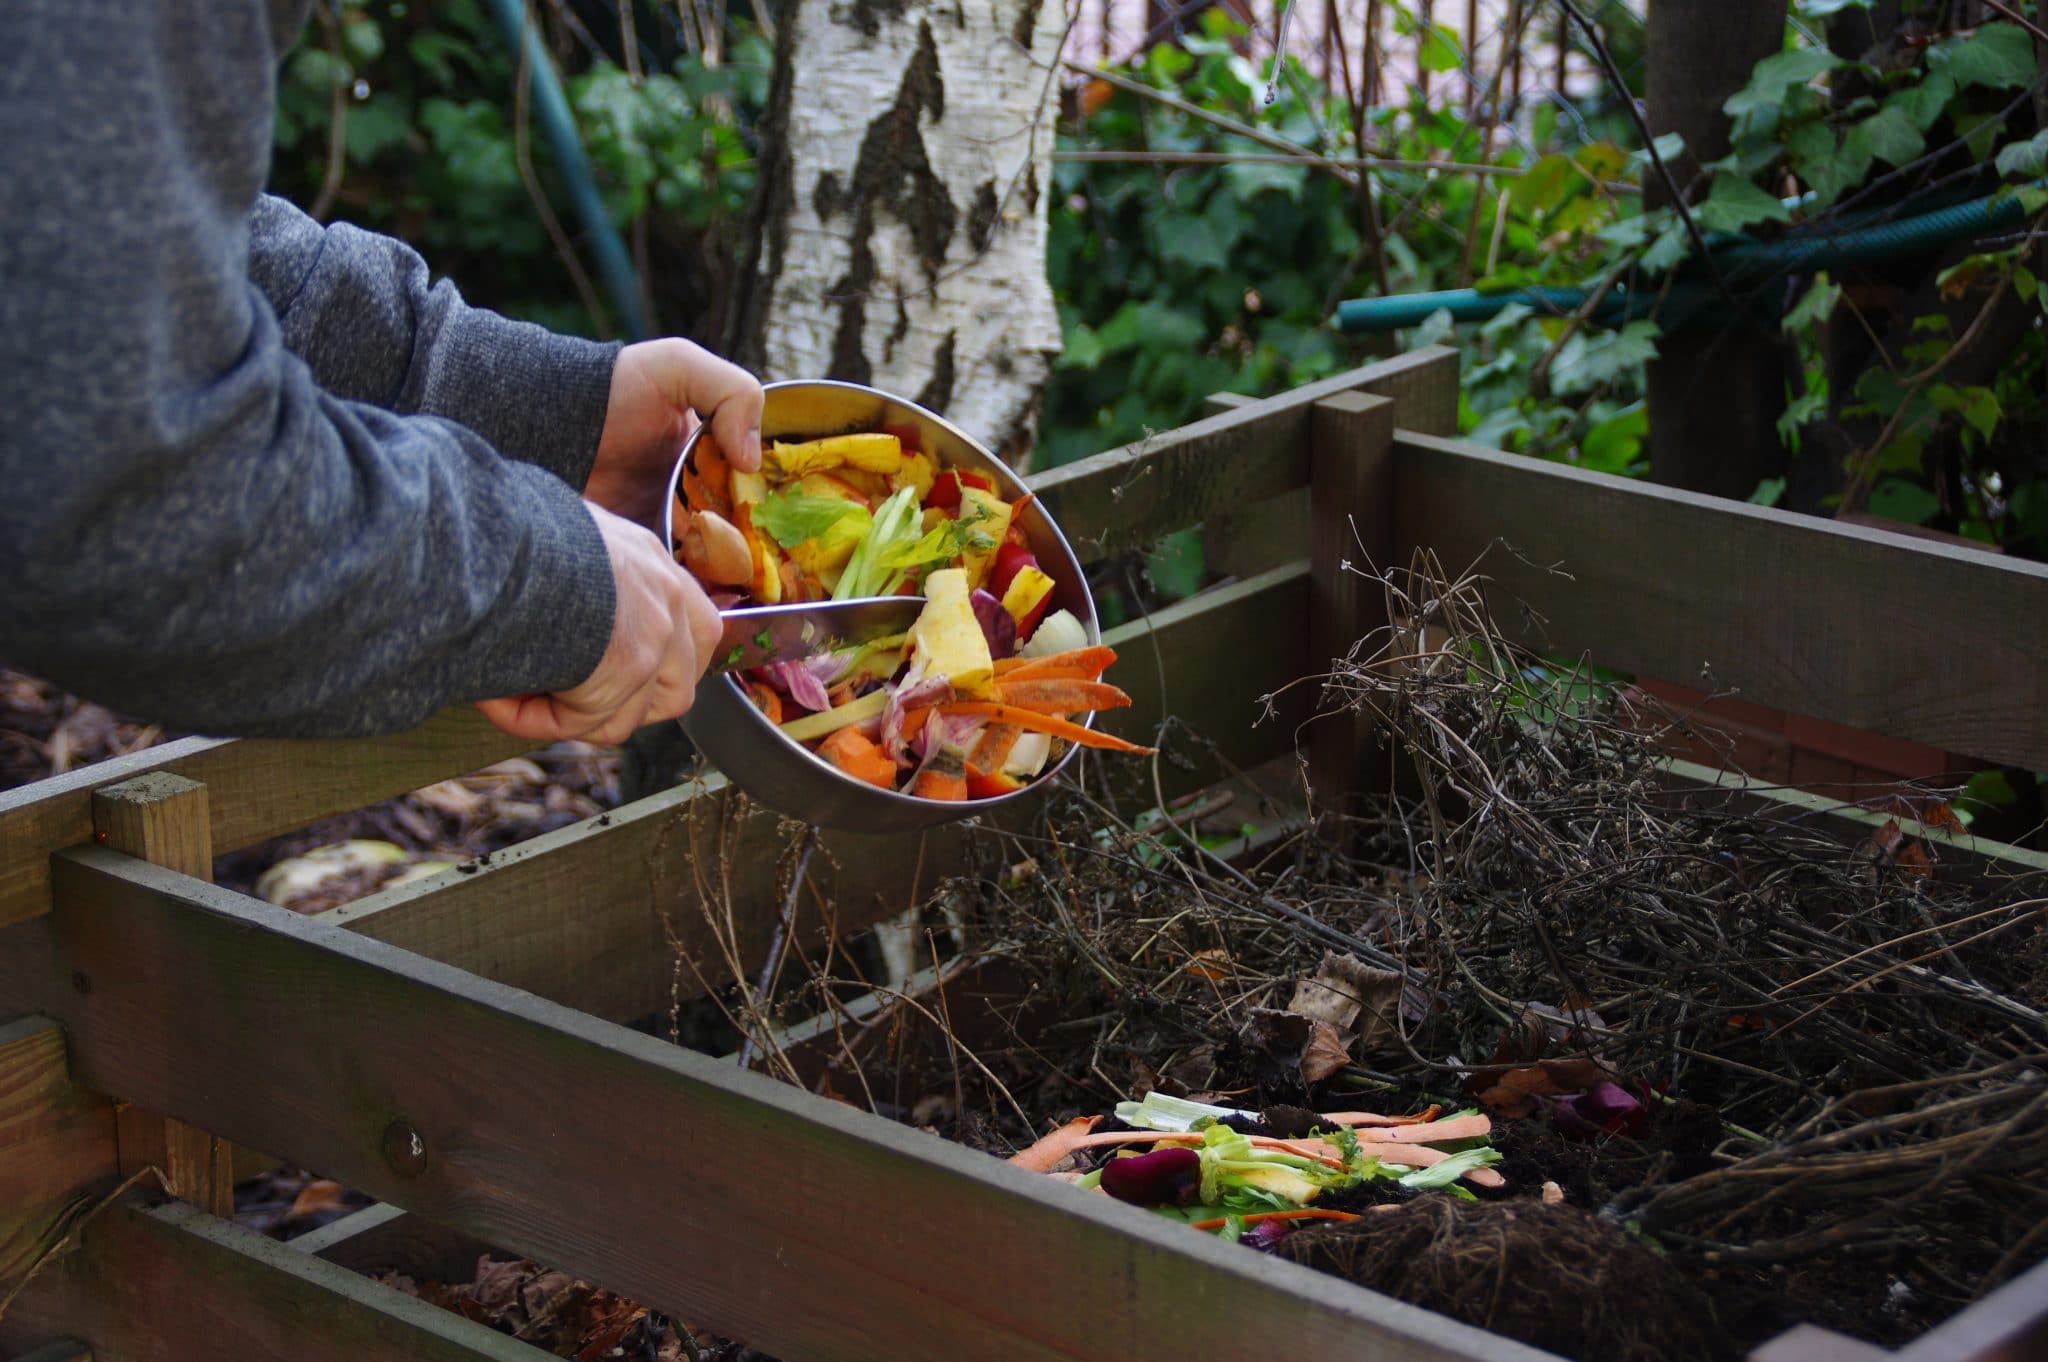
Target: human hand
[659, 389]
[664, 633]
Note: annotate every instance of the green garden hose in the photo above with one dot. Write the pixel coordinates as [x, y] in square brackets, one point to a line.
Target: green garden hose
[1742, 263]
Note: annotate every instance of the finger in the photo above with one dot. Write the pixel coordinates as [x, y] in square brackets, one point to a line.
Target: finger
[534, 716]
[730, 398]
[623, 722]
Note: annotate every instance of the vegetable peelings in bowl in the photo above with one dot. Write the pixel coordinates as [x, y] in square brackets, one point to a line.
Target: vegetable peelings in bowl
[979, 696]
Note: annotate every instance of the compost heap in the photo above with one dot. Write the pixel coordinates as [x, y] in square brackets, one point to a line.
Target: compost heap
[1774, 1074]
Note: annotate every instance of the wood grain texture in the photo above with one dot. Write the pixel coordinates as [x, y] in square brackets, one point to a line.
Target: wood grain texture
[1127, 498]
[597, 915]
[1882, 631]
[176, 1285]
[257, 790]
[807, 1228]
[162, 818]
[1351, 533]
[56, 1142]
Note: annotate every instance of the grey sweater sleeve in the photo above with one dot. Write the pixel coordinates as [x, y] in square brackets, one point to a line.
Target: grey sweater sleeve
[191, 528]
[360, 309]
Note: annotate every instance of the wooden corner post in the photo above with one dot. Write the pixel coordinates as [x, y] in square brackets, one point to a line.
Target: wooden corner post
[1351, 538]
[163, 818]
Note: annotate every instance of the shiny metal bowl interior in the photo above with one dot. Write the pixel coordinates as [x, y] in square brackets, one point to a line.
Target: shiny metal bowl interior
[752, 752]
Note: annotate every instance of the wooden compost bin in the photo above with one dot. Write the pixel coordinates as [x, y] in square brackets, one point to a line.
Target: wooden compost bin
[455, 1047]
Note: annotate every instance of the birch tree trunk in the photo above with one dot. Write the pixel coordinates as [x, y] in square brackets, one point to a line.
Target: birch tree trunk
[899, 232]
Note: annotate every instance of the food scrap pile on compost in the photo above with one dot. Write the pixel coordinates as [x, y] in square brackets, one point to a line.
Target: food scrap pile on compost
[1772, 1072]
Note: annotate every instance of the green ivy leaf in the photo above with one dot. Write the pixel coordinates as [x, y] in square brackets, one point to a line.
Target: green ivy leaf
[1815, 306]
[1898, 499]
[1756, 106]
[1998, 55]
[1190, 240]
[1439, 50]
[1545, 185]
[1735, 203]
[1821, 9]
[1769, 492]
[1613, 445]
[2028, 158]
[1800, 410]
[1889, 136]
[1924, 101]
[379, 122]
[1586, 362]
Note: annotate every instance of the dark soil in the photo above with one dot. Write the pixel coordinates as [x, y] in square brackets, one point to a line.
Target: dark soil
[1554, 1277]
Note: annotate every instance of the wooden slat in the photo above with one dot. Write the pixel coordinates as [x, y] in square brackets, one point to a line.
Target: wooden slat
[1885, 632]
[809, 1229]
[1351, 533]
[2009, 1325]
[162, 818]
[177, 1285]
[577, 915]
[56, 1142]
[259, 789]
[1127, 498]
[382, 1238]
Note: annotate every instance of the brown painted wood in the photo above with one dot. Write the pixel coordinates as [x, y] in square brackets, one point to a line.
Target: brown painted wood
[1351, 539]
[257, 790]
[174, 1284]
[594, 915]
[811, 1230]
[1885, 632]
[162, 818]
[1127, 498]
[56, 1142]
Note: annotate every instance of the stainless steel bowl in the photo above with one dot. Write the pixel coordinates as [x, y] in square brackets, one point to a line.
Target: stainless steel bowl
[738, 738]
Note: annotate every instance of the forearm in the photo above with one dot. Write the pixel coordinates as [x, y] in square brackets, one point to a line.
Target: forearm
[363, 312]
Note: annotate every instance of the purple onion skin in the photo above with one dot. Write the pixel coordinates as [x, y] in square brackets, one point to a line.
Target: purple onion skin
[1265, 1235]
[1603, 1109]
[1164, 1177]
[996, 625]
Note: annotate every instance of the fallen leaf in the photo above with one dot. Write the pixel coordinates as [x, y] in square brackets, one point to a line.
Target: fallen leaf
[1211, 964]
[1353, 996]
[1513, 1093]
[1324, 1054]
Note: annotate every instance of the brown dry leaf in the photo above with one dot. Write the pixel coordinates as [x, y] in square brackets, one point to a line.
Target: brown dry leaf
[1211, 964]
[1513, 1092]
[1353, 996]
[1940, 815]
[316, 1197]
[1325, 1054]
[1913, 861]
[497, 1282]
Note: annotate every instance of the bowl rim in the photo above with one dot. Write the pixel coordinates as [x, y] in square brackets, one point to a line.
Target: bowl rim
[1016, 488]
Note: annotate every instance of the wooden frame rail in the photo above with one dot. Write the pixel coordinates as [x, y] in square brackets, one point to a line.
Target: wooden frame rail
[451, 1046]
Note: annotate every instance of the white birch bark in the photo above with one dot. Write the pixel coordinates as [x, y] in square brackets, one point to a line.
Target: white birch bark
[903, 238]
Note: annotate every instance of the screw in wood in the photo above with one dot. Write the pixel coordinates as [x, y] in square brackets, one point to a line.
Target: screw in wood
[405, 1149]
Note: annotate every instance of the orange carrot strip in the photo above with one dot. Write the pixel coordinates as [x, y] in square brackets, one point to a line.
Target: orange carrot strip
[1456, 1128]
[1050, 1148]
[935, 782]
[1091, 662]
[994, 748]
[712, 468]
[1373, 1118]
[1084, 1140]
[1422, 1156]
[1043, 723]
[854, 753]
[1306, 1213]
[1043, 695]
[766, 700]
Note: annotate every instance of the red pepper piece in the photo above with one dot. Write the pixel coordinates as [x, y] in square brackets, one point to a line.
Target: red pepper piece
[945, 493]
[1011, 559]
[907, 436]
